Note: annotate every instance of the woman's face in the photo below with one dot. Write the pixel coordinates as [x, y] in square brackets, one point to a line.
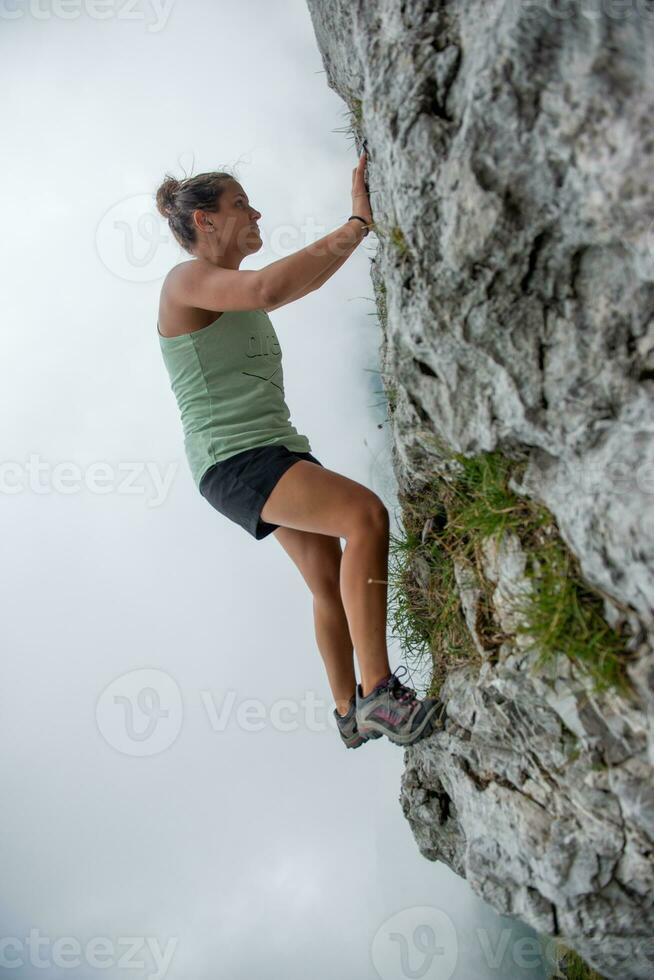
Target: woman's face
[238, 221]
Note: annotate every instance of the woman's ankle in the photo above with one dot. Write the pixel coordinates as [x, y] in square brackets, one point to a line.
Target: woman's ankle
[368, 686]
[343, 707]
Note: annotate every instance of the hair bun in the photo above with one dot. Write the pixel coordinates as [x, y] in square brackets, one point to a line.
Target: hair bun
[166, 196]
[176, 201]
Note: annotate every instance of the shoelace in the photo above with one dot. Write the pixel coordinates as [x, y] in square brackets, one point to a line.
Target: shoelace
[402, 693]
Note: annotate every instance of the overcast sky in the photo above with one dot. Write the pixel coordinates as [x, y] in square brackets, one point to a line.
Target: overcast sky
[173, 784]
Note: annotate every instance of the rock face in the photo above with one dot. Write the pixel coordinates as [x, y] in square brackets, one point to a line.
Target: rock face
[511, 174]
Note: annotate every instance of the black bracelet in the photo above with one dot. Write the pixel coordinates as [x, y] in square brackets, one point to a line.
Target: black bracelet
[359, 218]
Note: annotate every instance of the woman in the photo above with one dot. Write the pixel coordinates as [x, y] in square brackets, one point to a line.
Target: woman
[250, 463]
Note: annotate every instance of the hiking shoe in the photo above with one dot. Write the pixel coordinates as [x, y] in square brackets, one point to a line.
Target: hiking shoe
[393, 709]
[347, 726]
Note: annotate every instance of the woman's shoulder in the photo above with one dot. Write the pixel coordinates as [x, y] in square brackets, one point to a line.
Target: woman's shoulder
[177, 318]
[197, 293]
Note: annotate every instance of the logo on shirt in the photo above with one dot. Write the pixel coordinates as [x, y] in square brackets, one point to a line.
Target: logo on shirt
[263, 377]
[264, 345]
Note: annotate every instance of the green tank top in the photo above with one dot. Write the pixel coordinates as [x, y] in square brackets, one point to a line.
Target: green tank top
[228, 381]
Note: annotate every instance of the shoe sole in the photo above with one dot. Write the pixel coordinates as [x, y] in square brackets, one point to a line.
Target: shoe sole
[360, 738]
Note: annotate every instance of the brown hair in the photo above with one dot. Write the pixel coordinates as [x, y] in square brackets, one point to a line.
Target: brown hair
[178, 199]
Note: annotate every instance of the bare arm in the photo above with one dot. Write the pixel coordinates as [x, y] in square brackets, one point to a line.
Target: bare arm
[296, 274]
[314, 284]
[199, 284]
[306, 270]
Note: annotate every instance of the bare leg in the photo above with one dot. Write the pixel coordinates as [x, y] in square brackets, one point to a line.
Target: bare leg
[366, 557]
[308, 497]
[335, 645]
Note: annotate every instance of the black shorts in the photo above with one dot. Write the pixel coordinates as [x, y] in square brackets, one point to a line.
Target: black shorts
[239, 486]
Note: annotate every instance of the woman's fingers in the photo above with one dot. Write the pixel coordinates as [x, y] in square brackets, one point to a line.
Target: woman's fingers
[359, 191]
[361, 163]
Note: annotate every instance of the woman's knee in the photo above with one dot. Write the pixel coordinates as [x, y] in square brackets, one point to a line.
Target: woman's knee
[370, 514]
[318, 558]
[324, 580]
[326, 588]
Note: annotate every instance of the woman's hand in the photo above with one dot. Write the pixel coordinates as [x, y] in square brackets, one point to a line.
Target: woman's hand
[360, 199]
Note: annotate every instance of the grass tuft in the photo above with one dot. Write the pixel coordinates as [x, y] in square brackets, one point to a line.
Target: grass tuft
[570, 966]
[447, 523]
[424, 608]
[352, 129]
[356, 108]
[396, 237]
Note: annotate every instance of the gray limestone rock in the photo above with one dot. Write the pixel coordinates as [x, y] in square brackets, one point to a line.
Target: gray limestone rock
[511, 173]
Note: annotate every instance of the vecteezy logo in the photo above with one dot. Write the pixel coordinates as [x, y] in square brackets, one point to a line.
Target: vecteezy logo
[134, 242]
[140, 713]
[418, 943]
